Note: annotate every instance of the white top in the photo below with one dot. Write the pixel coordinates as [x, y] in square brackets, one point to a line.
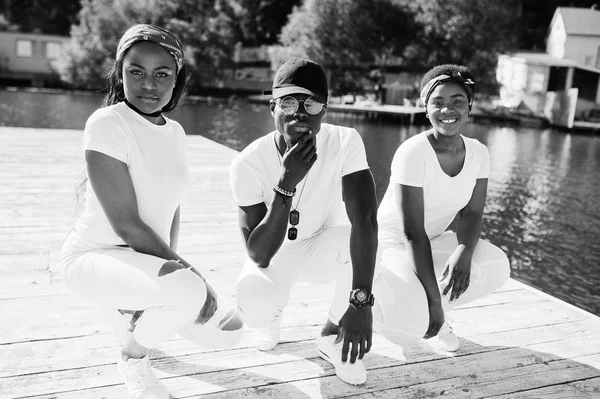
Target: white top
[416, 164]
[156, 157]
[257, 169]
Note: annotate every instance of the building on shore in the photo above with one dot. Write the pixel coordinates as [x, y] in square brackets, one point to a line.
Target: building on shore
[562, 83]
[252, 73]
[26, 58]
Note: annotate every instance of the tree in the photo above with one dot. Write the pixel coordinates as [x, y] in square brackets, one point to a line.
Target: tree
[346, 36]
[6, 25]
[468, 32]
[259, 22]
[42, 16]
[204, 26]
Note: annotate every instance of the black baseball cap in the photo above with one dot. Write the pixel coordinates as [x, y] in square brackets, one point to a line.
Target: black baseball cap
[300, 75]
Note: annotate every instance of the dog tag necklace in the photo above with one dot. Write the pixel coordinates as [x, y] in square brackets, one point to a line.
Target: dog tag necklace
[294, 214]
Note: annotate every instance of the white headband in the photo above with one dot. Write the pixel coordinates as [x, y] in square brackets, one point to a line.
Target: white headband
[429, 85]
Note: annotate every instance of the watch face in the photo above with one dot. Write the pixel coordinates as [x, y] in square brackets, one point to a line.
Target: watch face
[361, 296]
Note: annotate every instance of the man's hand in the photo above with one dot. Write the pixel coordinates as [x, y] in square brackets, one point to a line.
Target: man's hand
[457, 272]
[356, 328]
[436, 319]
[298, 160]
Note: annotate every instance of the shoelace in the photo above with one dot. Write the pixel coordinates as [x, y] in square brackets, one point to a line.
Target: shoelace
[446, 329]
[274, 326]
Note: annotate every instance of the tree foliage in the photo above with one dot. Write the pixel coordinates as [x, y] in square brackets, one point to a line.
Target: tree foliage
[259, 22]
[41, 16]
[6, 25]
[204, 26]
[346, 36]
[467, 32]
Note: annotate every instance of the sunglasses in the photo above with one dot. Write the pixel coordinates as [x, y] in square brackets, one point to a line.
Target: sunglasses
[290, 105]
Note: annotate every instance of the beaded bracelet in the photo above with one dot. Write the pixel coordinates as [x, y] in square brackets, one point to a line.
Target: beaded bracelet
[285, 193]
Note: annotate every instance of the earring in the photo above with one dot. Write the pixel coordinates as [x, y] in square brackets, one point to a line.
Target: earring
[426, 115]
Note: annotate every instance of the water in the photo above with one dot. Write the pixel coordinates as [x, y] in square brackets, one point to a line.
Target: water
[543, 204]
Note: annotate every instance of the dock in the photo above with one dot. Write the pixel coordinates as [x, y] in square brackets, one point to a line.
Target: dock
[515, 343]
[372, 111]
[409, 115]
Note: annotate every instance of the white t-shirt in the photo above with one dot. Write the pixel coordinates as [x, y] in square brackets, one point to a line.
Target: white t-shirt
[156, 157]
[257, 169]
[416, 164]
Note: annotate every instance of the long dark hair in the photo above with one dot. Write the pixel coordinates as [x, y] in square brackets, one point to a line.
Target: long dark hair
[115, 94]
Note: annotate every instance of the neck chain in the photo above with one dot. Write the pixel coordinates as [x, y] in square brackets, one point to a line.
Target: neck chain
[294, 218]
[151, 115]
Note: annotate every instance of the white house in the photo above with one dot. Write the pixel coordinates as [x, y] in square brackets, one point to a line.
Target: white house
[29, 56]
[574, 34]
[571, 61]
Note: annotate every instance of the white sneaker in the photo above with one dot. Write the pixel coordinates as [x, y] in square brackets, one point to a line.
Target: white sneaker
[354, 374]
[140, 380]
[446, 339]
[267, 338]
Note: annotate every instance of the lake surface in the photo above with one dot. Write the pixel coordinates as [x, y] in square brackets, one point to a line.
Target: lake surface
[543, 204]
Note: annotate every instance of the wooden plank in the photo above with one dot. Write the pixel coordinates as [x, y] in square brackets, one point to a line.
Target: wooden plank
[76, 318]
[588, 388]
[316, 317]
[48, 355]
[477, 384]
[512, 369]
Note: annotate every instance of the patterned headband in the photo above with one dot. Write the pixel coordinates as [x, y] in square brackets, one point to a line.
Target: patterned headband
[457, 77]
[154, 34]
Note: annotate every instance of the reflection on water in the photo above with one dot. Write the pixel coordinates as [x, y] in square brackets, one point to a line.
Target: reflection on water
[543, 203]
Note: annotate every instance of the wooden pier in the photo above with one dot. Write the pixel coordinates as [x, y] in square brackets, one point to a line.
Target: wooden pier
[387, 112]
[516, 343]
[410, 115]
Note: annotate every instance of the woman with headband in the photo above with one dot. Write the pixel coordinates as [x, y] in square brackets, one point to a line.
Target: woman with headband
[122, 253]
[437, 176]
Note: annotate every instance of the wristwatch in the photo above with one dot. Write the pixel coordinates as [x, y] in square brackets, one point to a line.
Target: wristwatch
[360, 297]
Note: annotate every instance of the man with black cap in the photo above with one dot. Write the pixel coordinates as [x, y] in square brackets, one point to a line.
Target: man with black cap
[307, 211]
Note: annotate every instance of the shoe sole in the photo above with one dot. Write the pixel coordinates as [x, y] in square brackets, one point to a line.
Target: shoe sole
[437, 346]
[266, 349]
[344, 378]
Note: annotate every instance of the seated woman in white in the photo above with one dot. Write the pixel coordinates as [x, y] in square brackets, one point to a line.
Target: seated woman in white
[438, 175]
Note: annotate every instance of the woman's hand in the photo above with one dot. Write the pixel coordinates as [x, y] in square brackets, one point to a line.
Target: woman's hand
[210, 305]
[457, 272]
[436, 319]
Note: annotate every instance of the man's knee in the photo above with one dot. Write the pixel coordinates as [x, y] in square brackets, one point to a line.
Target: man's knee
[259, 300]
[257, 307]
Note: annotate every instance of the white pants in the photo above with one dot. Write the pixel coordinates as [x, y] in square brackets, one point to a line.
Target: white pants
[113, 278]
[401, 312]
[322, 258]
